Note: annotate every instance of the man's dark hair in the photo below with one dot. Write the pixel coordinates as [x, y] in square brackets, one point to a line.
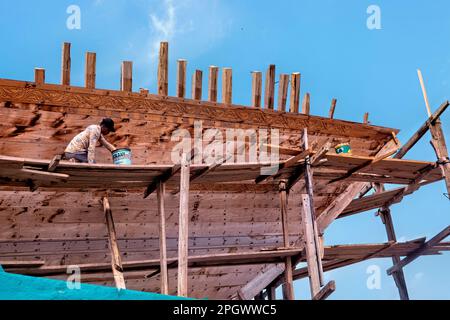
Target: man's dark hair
[109, 124]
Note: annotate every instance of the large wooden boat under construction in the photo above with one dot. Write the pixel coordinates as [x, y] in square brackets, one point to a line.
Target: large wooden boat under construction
[225, 230]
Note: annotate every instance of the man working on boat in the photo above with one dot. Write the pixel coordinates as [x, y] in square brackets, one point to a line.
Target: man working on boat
[82, 147]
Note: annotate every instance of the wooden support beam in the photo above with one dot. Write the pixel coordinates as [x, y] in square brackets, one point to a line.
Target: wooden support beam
[39, 76]
[183, 233]
[65, 64]
[440, 148]
[269, 92]
[386, 218]
[364, 165]
[163, 69]
[212, 83]
[162, 240]
[197, 82]
[288, 286]
[332, 108]
[421, 131]
[227, 86]
[306, 104]
[256, 89]
[417, 253]
[283, 92]
[295, 92]
[90, 70]
[261, 281]
[126, 76]
[326, 291]
[116, 261]
[315, 160]
[181, 78]
[311, 247]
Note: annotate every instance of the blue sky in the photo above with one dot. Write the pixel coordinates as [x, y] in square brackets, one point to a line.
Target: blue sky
[327, 41]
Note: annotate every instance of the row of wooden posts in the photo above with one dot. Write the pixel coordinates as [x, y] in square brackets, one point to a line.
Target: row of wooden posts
[285, 83]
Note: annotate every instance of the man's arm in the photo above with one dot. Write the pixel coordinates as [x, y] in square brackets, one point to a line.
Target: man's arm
[106, 144]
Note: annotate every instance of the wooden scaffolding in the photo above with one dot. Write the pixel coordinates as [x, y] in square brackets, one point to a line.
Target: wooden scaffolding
[225, 230]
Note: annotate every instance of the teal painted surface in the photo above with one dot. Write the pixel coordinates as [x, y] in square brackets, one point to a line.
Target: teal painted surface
[18, 287]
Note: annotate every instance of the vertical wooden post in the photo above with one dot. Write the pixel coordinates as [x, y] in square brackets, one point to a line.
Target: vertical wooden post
[126, 76]
[66, 64]
[283, 91]
[386, 218]
[306, 104]
[270, 87]
[440, 148]
[256, 89]
[288, 286]
[227, 86]
[295, 92]
[366, 118]
[271, 293]
[212, 83]
[181, 78]
[183, 235]
[39, 76]
[163, 69]
[332, 108]
[197, 82]
[90, 67]
[116, 261]
[162, 240]
[313, 258]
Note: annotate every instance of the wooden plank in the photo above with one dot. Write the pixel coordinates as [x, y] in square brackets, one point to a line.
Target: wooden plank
[227, 86]
[421, 131]
[269, 92]
[66, 64]
[417, 253]
[256, 89]
[283, 92]
[163, 69]
[197, 82]
[424, 91]
[162, 240]
[306, 104]
[326, 291]
[364, 165]
[39, 76]
[90, 70]
[126, 76]
[116, 261]
[261, 281]
[181, 78]
[288, 287]
[295, 92]
[212, 83]
[183, 229]
[332, 108]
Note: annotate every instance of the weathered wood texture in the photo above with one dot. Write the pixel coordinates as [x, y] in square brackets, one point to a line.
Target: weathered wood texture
[126, 76]
[90, 70]
[66, 63]
[163, 69]
[269, 92]
[256, 89]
